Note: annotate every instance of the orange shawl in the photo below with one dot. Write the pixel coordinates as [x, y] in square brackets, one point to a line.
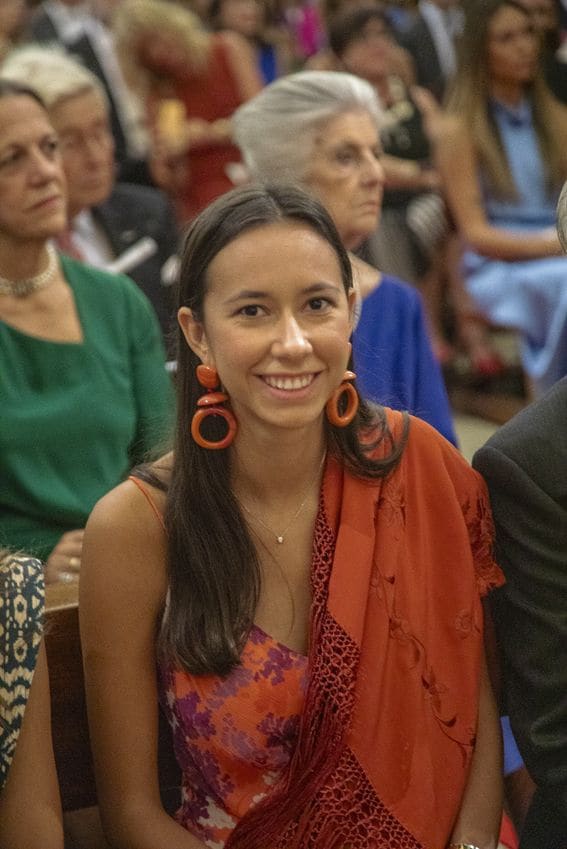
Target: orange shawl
[388, 728]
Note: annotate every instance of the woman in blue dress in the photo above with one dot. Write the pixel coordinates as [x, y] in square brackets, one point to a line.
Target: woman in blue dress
[320, 129]
[503, 159]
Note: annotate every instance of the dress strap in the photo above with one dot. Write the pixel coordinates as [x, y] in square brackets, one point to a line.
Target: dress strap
[147, 495]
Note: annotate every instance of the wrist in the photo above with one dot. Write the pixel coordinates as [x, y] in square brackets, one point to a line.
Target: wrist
[462, 846]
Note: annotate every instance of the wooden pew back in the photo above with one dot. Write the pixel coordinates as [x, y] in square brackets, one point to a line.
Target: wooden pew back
[68, 709]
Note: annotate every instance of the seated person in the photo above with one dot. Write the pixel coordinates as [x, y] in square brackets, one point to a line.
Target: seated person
[167, 55]
[106, 220]
[83, 387]
[502, 158]
[30, 808]
[414, 240]
[525, 464]
[321, 129]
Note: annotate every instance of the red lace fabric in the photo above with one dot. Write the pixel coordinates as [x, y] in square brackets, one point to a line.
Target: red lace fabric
[389, 722]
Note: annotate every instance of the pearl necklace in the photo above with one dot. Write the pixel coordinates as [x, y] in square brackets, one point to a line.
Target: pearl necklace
[25, 287]
[280, 538]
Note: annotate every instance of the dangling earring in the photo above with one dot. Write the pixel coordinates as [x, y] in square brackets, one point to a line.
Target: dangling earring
[209, 378]
[332, 406]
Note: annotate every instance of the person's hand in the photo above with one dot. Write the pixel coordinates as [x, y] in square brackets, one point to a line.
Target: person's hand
[552, 245]
[430, 179]
[64, 562]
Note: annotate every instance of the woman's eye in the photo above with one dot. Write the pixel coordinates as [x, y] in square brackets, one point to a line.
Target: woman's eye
[251, 310]
[9, 158]
[51, 147]
[319, 304]
[345, 157]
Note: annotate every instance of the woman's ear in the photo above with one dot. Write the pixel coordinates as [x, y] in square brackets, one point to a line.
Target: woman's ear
[194, 332]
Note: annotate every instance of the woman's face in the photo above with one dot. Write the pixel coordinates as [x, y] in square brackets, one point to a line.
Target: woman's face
[369, 53]
[242, 16]
[512, 47]
[87, 149]
[346, 175]
[32, 185]
[163, 53]
[276, 326]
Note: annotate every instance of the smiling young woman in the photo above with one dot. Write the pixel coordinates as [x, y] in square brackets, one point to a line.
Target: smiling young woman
[294, 582]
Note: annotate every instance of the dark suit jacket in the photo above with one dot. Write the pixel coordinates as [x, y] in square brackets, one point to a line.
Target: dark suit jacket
[525, 466]
[418, 41]
[41, 28]
[130, 214]
[83, 50]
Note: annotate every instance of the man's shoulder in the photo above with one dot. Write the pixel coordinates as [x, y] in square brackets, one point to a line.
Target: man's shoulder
[136, 197]
[415, 33]
[542, 421]
[534, 442]
[40, 27]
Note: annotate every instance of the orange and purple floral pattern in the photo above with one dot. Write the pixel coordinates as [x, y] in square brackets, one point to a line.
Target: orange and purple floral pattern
[233, 736]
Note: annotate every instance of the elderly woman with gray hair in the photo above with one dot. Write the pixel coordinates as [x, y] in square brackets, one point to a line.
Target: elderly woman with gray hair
[320, 129]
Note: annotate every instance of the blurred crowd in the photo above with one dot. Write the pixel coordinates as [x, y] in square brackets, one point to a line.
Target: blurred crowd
[432, 131]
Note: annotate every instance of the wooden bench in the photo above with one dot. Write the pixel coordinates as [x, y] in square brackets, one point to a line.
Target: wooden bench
[69, 716]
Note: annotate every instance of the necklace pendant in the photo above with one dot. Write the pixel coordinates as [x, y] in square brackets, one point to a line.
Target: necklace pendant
[280, 540]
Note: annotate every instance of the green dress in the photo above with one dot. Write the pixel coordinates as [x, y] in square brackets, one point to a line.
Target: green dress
[75, 417]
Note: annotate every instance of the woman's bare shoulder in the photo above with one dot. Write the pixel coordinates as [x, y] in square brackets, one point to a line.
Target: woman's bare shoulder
[126, 530]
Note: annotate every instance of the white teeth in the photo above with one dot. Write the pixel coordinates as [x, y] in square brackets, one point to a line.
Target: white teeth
[289, 382]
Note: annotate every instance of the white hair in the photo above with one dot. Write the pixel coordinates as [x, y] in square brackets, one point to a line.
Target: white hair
[276, 129]
[51, 73]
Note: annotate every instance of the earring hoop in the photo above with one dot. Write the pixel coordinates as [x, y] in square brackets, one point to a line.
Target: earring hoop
[209, 406]
[332, 407]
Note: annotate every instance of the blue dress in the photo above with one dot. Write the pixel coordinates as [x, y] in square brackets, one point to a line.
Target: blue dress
[394, 363]
[529, 295]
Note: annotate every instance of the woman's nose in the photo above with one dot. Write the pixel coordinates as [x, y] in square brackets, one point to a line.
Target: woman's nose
[44, 168]
[291, 340]
[374, 171]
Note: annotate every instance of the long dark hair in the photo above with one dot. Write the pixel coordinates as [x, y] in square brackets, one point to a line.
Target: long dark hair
[469, 99]
[213, 570]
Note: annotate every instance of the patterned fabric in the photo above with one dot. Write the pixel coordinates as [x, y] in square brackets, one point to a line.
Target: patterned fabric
[374, 752]
[21, 628]
[233, 736]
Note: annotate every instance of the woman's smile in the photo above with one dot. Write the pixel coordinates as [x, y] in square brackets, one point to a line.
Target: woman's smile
[276, 325]
[290, 383]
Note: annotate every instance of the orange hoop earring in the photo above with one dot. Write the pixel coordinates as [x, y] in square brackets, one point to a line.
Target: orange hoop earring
[332, 406]
[209, 378]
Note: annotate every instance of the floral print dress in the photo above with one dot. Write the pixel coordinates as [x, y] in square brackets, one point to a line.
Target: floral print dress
[233, 736]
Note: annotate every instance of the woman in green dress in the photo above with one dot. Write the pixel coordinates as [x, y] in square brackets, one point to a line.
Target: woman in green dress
[83, 388]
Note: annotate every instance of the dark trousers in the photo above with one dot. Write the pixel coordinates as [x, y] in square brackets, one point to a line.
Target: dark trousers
[545, 826]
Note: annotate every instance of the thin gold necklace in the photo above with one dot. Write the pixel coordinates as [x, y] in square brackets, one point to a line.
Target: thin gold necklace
[280, 538]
